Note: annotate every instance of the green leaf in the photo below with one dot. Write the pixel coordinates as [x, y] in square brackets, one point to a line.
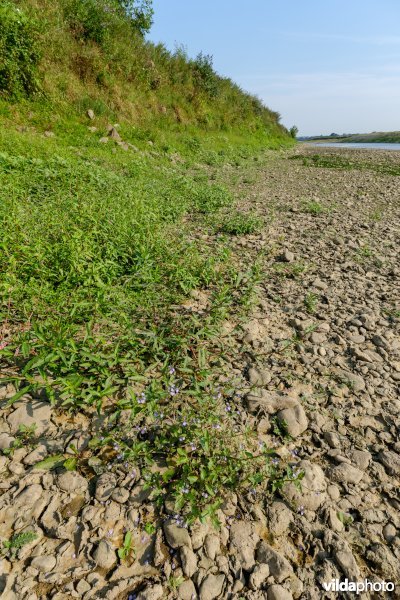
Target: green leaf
[18, 395]
[49, 463]
[70, 464]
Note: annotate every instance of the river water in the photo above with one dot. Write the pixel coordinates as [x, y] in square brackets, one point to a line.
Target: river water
[356, 146]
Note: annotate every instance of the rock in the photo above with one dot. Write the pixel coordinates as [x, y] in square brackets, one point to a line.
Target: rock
[90, 114]
[243, 541]
[286, 256]
[153, 592]
[346, 473]
[212, 586]
[104, 555]
[280, 517]
[6, 441]
[319, 285]
[105, 486]
[113, 134]
[295, 418]
[361, 459]
[252, 332]
[347, 563]
[212, 545]
[189, 561]
[43, 563]
[269, 402]
[139, 495]
[258, 577]
[356, 382]
[389, 533]
[38, 454]
[259, 377]
[334, 522]
[277, 592]
[384, 561]
[317, 338]
[72, 482]
[187, 591]
[332, 438]
[33, 412]
[391, 461]
[103, 140]
[82, 587]
[29, 497]
[313, 487]
[279, 567]
[176, 536]
[120, 495]
[49, 134]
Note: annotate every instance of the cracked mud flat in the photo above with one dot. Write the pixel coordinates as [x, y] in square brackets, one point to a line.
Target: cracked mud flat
[321, 351]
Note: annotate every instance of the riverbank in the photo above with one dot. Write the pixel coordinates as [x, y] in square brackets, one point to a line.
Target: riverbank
[301, 350]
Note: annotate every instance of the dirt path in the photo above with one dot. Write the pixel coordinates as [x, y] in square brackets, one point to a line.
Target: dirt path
[318, 369]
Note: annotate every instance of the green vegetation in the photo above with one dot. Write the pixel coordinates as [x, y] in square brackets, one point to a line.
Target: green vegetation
[102, 244]
[126, 549]
[18, 541]
[311, 302]
[385, 137]
[313, 207]
[334, 161]
[237, 223]
[19, 52]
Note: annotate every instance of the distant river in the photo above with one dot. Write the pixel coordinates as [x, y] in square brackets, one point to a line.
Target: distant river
[356, 146]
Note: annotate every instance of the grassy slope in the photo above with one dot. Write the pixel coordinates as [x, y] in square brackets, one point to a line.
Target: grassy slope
[101, 245]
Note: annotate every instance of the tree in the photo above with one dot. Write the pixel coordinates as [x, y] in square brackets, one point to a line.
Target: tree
[294, 131]
[140, 12]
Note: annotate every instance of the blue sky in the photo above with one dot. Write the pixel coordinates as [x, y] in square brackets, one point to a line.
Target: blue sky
[324, 65]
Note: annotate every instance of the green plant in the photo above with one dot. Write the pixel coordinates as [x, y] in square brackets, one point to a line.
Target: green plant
[140, 13]
[239, 224]
[150, 528]
[19, 52]
[280, 429]
[191, 447]
[126, 549]
[310, 302]
[291, 270]
[24, 437]
[18, 541]
[205, 76]
[174, 582]
[313, 207]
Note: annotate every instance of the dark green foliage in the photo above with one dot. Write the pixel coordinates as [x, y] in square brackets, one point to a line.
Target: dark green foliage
[92, 20]
[205, 76]
[98, 20]
[19, 53]
[140, 12]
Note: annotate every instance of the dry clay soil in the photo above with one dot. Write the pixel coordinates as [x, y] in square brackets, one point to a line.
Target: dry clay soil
[322, 350]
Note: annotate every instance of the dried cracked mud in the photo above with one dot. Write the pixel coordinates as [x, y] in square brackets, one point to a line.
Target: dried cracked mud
[320, 353]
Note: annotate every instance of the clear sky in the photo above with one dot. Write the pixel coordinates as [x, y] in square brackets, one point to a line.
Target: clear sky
[324, 65]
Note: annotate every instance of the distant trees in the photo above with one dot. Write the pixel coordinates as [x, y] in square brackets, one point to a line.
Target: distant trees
[294, 131]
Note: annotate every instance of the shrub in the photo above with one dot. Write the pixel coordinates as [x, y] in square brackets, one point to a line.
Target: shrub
[98, 20]
[19, 53]
[140, 13]
[206, 78]
[91, 19]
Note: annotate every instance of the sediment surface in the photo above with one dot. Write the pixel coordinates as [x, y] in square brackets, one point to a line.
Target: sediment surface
[319, 354]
